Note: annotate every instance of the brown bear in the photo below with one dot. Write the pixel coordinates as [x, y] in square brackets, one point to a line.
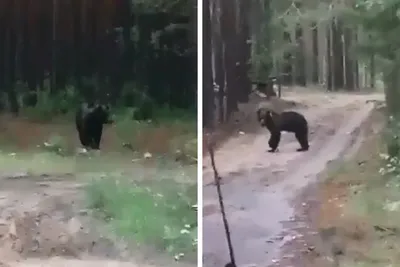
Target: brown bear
[288, 121]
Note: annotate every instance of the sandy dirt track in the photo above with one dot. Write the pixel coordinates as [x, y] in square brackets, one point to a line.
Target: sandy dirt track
[42, 223]
[259, 187]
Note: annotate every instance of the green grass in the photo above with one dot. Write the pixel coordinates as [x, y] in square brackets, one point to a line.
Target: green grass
[51, 163]
[372, 201]
[158, 212]
[147, 201]
[149, 205]
[185, 139]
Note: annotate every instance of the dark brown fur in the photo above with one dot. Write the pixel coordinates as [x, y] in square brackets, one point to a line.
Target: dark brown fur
[89, 122]
[288, 121]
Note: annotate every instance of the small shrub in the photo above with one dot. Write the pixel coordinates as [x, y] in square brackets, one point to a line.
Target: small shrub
[49, 106]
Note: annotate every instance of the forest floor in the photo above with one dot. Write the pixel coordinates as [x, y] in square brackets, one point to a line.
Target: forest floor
[276, 202]
[118, 207]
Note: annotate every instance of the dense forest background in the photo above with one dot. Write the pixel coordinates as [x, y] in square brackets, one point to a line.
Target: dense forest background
[135, 54]
[335, 45]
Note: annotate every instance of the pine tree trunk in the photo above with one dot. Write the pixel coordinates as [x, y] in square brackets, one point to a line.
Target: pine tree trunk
[349, 59]
[229, 37]
[330, 63]
[208, 91]
[244, 51]
[372, 71]
[337, 56]
[323, 30]
[315, 55]
[356, 63]
[300, 58]
[308, 41]
[218, 56]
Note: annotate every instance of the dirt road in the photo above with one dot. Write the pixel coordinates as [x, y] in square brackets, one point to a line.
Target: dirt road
[259, 187]
[42, 223]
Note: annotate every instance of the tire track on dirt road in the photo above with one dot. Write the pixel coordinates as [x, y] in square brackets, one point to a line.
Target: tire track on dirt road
[256, 211]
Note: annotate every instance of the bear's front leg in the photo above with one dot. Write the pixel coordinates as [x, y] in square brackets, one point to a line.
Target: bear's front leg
[97, 137]
[274, 141]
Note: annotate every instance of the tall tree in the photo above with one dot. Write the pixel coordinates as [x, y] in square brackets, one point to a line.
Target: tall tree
[218, 58]
[208, 96]
[244, 50]
[229, 37]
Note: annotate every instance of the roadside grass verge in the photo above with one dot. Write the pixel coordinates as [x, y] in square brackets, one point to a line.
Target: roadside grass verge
[361, 198]
[168, 136]
[160, 211]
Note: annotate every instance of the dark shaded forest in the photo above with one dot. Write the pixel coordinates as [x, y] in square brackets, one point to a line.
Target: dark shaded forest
[124, 53]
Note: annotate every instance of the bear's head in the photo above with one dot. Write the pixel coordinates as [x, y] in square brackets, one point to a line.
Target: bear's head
[102, 114]
[267, 117]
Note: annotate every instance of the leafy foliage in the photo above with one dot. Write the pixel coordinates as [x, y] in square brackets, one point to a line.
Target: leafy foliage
[184, 7]
[282, 17]
[381, 24]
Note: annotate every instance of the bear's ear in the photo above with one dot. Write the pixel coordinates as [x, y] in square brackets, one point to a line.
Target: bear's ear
[267, 113]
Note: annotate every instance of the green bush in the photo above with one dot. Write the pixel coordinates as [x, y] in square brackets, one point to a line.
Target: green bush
[49, 106]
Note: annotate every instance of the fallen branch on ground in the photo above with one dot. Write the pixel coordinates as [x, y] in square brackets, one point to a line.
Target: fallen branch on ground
[217, 179]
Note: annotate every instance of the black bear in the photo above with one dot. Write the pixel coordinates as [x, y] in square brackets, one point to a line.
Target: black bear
[288, 121]
[89, 122]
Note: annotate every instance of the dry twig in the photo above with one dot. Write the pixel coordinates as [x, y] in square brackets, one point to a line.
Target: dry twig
[217, 179]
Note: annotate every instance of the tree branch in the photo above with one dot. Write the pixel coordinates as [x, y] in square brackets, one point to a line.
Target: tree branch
[217, 179]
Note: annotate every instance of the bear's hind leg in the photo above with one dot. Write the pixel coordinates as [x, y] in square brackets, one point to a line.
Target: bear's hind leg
[84, 138]
[97, 138]
[303, 141]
